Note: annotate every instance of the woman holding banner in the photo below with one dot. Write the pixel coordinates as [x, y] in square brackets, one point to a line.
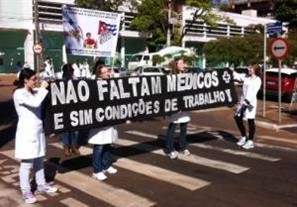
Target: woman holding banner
[247, 106]
[180, 118]
[102, 139]
[30, 138]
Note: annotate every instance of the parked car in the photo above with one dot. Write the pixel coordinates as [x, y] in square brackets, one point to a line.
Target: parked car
[147, 71]
[288, 78]
[119, 71]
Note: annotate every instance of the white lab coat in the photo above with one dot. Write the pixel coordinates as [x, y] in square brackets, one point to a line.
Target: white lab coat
[180, 117]
[81, 71]
[250, 88]
[30, 138]
[105, 135]
[49, 71]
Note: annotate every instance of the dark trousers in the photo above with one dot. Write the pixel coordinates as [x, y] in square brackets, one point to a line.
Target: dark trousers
[102, 158]
[170, 137]
[251, 124]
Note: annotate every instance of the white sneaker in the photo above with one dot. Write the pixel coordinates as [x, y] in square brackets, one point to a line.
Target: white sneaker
[185, 152]
[99, 176]
[248, 145]
[241, 141]
[46, 188]
[172, 155]
[29, 198]
[111, 170]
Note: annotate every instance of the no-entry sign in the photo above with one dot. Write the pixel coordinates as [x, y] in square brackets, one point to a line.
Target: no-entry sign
[279, 48]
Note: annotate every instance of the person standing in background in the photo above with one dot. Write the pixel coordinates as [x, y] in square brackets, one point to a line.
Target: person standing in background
[30, 139]
[49, 71]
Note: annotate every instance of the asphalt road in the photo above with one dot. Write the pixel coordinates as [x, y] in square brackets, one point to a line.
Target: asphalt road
[217, 173]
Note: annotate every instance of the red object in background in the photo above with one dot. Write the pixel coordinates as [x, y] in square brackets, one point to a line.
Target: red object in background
[288, 77]
[279, 48]
[102, 27]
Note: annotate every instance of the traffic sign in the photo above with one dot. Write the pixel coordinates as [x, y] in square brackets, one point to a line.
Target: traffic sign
[37, 48]
[279, 48]
[274, 28]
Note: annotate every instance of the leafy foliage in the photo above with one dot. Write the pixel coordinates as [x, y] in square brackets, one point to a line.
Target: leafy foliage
[285, 11]
[235, 50]
[105, 5]
[152, 18]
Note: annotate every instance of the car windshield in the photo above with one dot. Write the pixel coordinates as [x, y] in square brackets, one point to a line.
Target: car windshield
[136, 58]
[275, 74]
[151, 70]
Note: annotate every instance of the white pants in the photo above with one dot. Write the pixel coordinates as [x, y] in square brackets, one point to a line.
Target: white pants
[38, 169]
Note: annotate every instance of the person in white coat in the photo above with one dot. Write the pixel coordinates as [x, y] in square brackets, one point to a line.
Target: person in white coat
[247, 106]
[30, 138]
[102, 138]
[49, 71]
[180, 118]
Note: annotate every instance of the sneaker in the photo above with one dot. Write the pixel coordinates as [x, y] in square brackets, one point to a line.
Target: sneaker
[99, 176]
[185, 152]
[111, 170]
[172, 155]
[29, 198]
[46, 188]
[248, 145]
[241, 141]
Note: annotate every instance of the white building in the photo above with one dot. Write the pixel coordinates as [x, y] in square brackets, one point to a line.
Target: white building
[17, 29]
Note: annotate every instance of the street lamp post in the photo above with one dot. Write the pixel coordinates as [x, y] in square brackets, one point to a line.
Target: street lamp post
[168, 27]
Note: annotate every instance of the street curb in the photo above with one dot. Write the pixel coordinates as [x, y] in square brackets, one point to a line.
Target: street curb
[275, 127]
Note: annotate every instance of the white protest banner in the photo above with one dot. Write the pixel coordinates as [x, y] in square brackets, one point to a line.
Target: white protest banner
[90, 32]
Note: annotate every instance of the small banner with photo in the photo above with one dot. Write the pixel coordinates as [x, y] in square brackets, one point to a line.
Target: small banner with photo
[90, 32]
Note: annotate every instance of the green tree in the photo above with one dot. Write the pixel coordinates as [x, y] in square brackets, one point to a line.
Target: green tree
[152, 18]
[105, 5]
[235, 50]
[285, 11]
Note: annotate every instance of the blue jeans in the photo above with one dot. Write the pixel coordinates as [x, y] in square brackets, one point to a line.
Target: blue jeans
[170, 137]
[70, 138]
[102, 158]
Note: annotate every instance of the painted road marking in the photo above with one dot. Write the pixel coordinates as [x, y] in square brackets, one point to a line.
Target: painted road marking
[220, 165]
[158, 173]
[100, 190]
[230, 151]
[237, 152]
[72, 202]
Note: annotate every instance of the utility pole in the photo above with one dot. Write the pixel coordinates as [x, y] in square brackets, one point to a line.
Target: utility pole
[168, 27]
[37, 57]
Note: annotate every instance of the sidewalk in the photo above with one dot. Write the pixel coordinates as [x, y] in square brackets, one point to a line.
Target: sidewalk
[271, 120]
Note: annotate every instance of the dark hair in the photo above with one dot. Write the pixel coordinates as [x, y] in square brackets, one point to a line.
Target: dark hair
[24, 74]
[88, 33]
[67, 71]
[98, 70]
[174, 69]
[257, 69]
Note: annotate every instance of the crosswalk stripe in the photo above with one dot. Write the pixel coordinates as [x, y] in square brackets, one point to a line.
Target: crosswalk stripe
[158, 173]
[72, 202]
[233, 152]
[239, 153]
[229, 167]
[100, 190]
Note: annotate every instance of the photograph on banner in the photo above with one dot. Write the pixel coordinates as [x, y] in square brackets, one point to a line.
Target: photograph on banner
[84, 104]
[90, 32]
